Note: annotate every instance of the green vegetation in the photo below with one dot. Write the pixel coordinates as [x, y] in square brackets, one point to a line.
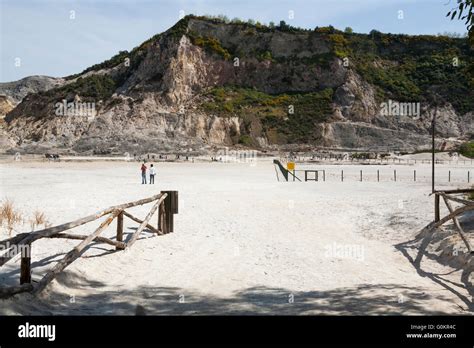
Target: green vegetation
[266, 55]
[340, 45]
[464, 11]
[391, 81]
[310, 109]
[409, 68]
[228, 101]
[326, 30]
[250, 23]
[211, 45]
[471, 195]
[94, 88]
[467, 149]
[180, 28]
[246, 140]
[293, 117]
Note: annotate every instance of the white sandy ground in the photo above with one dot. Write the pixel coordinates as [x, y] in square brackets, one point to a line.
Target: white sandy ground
[243, 242]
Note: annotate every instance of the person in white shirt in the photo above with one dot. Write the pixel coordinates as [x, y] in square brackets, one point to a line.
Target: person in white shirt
[152, 174]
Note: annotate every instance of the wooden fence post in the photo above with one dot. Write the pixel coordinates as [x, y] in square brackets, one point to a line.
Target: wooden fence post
[119, 229]
[414, 175]
[25, 272]
[378, 175]
[170, 208]
[161, 218]
[436, 207]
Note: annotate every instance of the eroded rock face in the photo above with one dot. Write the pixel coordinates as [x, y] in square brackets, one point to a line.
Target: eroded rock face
[155, 108]
[18, 90]
[356, 99]
[6, 105]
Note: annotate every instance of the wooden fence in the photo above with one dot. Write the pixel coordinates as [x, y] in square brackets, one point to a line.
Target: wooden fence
[166, 203]
[314, 159]
[449, 196]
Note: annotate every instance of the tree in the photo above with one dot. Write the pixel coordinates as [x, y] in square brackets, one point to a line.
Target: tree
[464, 11]
[283, 26]
[223, 18]
[348, 30]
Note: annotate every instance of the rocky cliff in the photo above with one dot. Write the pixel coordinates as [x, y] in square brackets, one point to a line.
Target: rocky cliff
[206, 83]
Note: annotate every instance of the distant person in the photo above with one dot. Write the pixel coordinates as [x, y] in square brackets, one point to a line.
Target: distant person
[152, 174]
[143, 169]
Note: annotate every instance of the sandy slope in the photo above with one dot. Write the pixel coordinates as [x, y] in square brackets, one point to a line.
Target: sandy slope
[244, 243]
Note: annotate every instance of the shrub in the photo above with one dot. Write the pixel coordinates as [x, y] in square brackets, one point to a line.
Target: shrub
[467, 149]
[246, 140]
[95, 87]
[210, 44]
[325, 30]
[340, 45]
[9, 215]
[470, 196]
[267, 55]
[38, 219]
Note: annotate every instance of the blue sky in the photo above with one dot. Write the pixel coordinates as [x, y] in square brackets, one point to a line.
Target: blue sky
[48, 42]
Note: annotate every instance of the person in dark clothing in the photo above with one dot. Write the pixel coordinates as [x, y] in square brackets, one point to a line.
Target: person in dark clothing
[143, 169]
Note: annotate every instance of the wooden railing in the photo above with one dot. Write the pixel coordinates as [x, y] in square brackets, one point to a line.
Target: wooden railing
[466, 205]
[166, 203]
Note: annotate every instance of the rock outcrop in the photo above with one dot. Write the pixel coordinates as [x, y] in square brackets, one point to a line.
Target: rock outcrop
[17, 90]
[205, 83]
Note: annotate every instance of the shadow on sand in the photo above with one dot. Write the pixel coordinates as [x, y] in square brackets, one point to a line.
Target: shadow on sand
[417, 249]
[98, 299]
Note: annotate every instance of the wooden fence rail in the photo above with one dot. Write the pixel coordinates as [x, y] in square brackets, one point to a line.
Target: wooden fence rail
[166, 203]
[467, 205]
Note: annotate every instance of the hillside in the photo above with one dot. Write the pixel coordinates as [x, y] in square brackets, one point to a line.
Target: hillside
[206, 83]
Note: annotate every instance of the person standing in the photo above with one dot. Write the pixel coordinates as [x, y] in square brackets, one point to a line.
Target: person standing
[143, 169]
[152, 174]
